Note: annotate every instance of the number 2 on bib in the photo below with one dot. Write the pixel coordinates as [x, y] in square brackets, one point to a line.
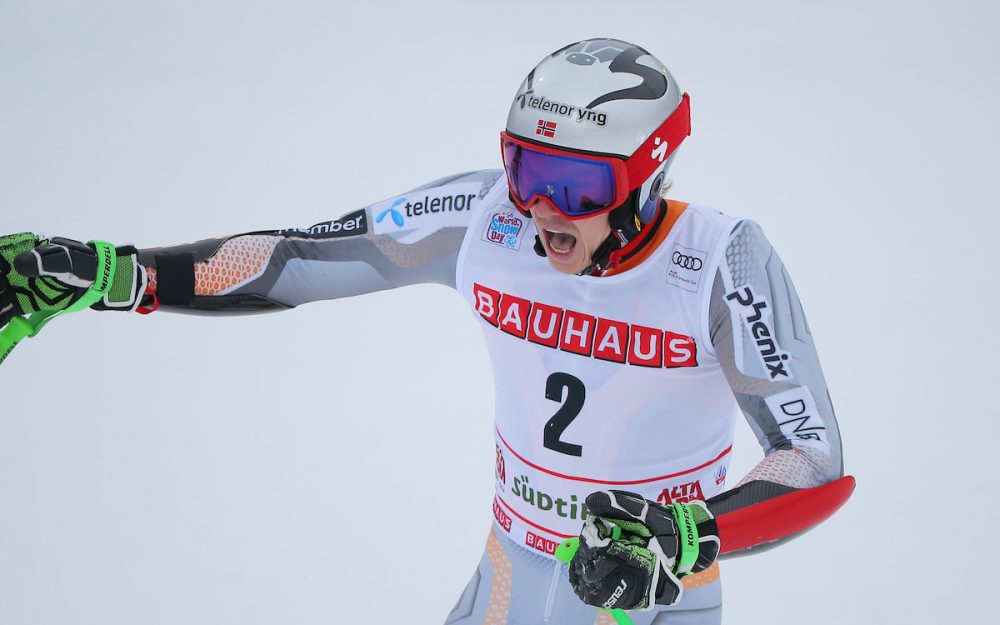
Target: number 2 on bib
[576, 393]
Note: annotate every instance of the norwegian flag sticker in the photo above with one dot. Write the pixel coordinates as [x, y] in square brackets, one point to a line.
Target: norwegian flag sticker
[546, 129]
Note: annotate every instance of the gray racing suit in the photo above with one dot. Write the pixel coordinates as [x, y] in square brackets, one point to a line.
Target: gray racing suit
[418, 238]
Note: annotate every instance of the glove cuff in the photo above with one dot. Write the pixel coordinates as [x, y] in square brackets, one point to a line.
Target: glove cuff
[128, 285]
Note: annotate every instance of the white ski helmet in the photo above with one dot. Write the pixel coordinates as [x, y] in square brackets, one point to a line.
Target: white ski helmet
[603, 98]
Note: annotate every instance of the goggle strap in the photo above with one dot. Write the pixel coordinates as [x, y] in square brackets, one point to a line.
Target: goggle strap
[661, 143]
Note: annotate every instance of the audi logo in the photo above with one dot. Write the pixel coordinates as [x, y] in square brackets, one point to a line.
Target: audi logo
[688, 262]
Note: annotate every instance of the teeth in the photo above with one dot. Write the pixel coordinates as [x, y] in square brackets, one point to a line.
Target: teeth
[554, 235]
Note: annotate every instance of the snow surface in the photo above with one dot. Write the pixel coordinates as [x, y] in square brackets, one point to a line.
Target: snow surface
[335, 462]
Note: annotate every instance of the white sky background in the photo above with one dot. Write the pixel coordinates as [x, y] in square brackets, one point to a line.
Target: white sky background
[334, 463]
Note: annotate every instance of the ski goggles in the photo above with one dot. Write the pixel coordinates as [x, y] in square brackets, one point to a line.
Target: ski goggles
[582, 185]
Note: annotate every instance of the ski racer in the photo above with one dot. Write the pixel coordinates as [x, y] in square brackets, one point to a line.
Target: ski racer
[627, 332]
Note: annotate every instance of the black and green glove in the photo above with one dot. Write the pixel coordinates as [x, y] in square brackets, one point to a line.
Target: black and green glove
[632, 552]
[41, 278]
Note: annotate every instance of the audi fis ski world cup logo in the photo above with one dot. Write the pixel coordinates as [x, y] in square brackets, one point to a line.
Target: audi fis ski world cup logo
[756, 315]
[685, 267]
[504, 229]
[687, 262]
[583, 334]
[426, 210]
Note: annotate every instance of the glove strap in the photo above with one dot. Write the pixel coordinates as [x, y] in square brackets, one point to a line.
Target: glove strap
[107, 263]
[21, 328]
[687, 531]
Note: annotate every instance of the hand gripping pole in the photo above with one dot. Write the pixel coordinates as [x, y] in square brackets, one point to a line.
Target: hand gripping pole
[21, 328]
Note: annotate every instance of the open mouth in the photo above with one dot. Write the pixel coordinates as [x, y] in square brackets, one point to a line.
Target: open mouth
[560, 242]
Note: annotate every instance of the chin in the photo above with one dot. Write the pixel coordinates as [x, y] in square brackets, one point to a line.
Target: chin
[565, 269]
[567, 266]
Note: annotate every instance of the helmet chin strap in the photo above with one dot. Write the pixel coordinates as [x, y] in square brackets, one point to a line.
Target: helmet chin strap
[624, 239]
[601, 259]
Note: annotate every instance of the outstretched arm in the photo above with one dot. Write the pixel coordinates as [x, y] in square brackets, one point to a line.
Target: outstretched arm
[408, 239]
[765, 346]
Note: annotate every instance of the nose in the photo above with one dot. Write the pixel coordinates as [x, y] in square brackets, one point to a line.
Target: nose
[543, 209]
